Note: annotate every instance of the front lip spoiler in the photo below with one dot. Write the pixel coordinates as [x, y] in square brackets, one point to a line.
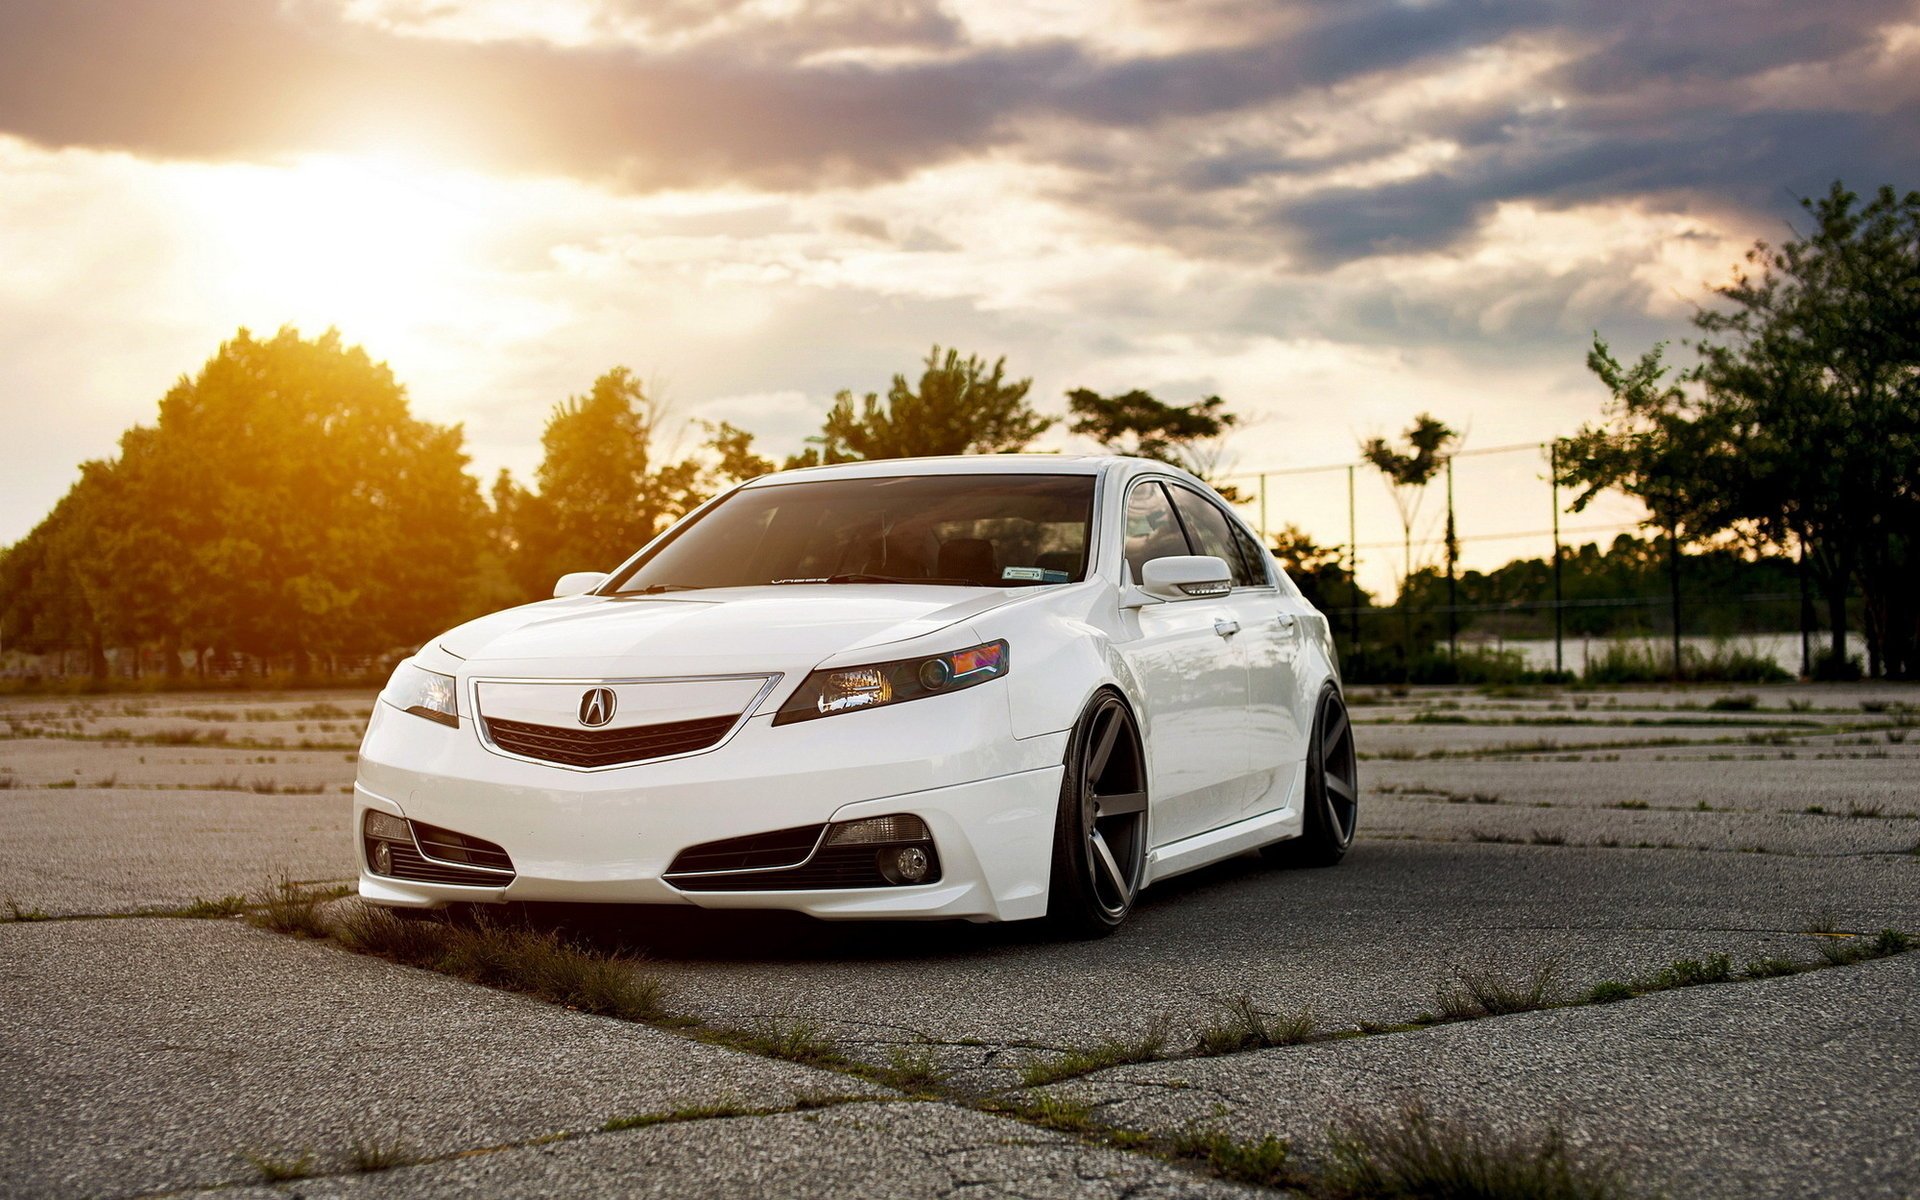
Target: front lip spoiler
[472, 690]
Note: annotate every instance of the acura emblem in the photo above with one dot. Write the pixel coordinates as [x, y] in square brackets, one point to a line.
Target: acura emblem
[596, 707]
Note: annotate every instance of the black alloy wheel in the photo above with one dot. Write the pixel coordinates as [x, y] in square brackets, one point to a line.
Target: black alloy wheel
[1332, 790]
[1100, 837]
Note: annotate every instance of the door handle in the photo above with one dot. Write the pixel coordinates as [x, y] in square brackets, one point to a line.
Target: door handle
[1226, 627]
[1285, 623]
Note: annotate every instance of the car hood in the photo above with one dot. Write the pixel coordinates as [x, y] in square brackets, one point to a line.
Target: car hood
[719, 631]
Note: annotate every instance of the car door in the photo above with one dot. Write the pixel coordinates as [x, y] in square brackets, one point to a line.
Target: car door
[1268, 639]
[1194, 678]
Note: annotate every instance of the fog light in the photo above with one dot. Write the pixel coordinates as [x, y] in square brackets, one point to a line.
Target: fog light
[382, 859]
[875, 831]
[904, 864]
[391, 828]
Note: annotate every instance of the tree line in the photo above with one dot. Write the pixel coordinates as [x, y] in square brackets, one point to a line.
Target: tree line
[287, 507]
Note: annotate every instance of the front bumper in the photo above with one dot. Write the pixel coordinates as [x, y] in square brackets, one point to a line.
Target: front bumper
[609, 836]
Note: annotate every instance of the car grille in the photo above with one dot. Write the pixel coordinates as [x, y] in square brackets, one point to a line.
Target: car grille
[781, 848]
[832, 868]
[607, 747]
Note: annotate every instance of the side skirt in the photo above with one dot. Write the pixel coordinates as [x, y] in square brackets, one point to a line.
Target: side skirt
[1192, 853]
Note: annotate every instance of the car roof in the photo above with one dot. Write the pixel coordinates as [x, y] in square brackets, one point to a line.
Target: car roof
[964, 464]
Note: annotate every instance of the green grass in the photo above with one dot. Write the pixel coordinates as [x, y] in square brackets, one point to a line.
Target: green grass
[1110, 1052]
[225, 906]
[1487, 993]
[1244, 1027]
[285, 906]
[370, 1154]
[24, 912]
[692, 1112]
[1265, 1163]
[512, 958]
[1885, 944]
[1609, 991]
[914, 1069]
[275, 1168]
[1688, 972]
[1419, 1157]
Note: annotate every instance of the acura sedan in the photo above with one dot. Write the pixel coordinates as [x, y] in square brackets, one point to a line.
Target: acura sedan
[992, 687]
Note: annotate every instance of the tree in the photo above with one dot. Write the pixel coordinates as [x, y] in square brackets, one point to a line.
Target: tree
[1814, 370]
[1319, 571]
[285, 503]
[1408, 472]
[962, 406]
[1800, 422]
[1138, 424]
[605, 486]
[1658, 443]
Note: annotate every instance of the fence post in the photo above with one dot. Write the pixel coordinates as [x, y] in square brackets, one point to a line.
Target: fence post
[1353, 562]
[1453, 554]
[1806, 610]
[1264, 536]
[1553, 490]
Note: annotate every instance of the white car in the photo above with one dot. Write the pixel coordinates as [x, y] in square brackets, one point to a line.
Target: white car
[989, 687]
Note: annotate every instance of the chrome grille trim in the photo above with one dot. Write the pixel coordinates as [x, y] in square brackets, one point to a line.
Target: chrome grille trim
[480, 722]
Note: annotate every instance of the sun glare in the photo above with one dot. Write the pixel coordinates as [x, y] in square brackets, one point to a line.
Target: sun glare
[376, 246]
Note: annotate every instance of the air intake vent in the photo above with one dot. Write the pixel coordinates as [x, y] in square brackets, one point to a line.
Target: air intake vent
[407, 864]
[607, 747]
[781, 848]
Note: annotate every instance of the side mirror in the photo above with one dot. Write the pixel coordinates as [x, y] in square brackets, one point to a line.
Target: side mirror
[1186, 577]
[574, 583]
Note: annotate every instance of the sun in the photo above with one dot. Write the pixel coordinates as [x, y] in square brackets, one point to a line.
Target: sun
[380, 247]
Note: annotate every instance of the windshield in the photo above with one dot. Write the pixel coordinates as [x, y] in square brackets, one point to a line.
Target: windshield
[964, 530]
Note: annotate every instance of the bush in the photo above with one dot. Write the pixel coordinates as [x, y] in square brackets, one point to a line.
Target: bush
[1643, 662]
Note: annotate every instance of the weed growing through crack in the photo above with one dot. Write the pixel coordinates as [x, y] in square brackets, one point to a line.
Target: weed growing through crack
[1112, 1052]
[1489, 993]
[369, 1154]
[1609, 991]
[1265, 1163]
[794, 1041]
[692, 1112]
[1420, 1155]
[914, 1069]
[1774, 967]
[1048, 1112]
[26, 912]
[275, 1168]
[225, 906]
[1688, 972]
[1244, 1027]
[1852, 950]
[291, 908]
[515, 959]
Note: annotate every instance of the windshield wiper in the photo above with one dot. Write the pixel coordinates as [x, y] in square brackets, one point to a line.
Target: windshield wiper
[654, 589]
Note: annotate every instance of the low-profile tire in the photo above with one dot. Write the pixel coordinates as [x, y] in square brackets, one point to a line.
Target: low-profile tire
[1100, 836]
[1332, 791]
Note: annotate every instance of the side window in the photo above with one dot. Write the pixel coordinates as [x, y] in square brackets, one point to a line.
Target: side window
[1152, 532]
[1258, 565]
[1212, 532]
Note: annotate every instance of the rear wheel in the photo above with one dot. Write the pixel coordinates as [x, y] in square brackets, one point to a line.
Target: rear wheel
[1100, 837]
[1332, 792]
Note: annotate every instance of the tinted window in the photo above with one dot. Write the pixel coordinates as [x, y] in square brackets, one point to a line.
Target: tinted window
[1212, 533]
[984, 530]
[1255, 554]
[1152, 530]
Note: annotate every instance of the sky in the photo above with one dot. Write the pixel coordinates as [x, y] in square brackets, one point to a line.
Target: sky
[1335, 215]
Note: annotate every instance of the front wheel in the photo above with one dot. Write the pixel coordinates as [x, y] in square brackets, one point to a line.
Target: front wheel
[1333, 791]
[1100, 836]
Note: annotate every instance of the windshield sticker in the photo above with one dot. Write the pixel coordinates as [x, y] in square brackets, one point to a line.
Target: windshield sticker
[1032, 575]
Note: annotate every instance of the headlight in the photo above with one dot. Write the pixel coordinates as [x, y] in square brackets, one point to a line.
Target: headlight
[846, 689]
[423, 693]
